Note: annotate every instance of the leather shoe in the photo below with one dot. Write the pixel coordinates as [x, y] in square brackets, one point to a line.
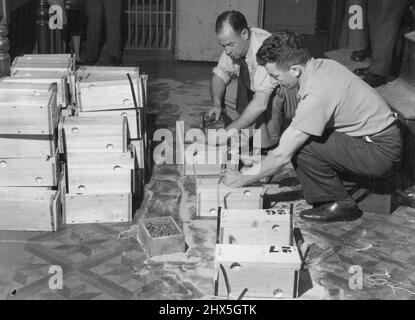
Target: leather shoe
[343, 210]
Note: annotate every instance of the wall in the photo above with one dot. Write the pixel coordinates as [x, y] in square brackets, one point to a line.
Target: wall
[196, 39]
[296, 15]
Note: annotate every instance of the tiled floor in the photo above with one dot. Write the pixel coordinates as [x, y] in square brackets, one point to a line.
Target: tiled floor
[98, 265]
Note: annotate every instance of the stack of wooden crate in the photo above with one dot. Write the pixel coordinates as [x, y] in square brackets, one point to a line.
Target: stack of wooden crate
[104, 144]
[255, 256]
[99, 166]
[29, 167]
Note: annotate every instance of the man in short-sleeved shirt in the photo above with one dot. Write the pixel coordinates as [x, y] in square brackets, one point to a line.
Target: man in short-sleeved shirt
[342, 129]
[238, 71]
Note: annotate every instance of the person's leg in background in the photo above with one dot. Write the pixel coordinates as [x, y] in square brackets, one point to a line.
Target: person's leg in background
[385, 17]
[93, 17]
[113, 22]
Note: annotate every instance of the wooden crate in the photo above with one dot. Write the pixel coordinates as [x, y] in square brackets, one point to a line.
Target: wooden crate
[97, 208]
[29, 172]
[270, 272]
[201, 159]
[163, 245]
[131, 114]
[29, 113]
[62, 63]
[94, 173]
[64, 82]
[27, 146]
[256, 227]
[104, 94]
[207, 197]
[93, 135]
[205, 160]
[30, 209]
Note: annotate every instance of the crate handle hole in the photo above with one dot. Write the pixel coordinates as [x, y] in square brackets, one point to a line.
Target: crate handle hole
[91, 87]
[236, 267]
[110, 146]
[81, 188]
[126, 101]
[75, 130]
[39, 179]
[3, 164]
[278, 293]
[213, 211]
[247, 193]
[275, 227]
[117, 168]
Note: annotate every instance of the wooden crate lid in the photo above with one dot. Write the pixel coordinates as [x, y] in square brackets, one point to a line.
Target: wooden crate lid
[258, 256]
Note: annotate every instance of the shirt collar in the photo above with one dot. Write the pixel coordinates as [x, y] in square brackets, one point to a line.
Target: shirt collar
[251, 51]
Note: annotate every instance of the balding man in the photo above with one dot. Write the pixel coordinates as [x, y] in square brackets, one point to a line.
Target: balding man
[253, 99]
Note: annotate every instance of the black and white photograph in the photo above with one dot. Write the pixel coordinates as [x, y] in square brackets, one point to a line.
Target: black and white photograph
[187, 154]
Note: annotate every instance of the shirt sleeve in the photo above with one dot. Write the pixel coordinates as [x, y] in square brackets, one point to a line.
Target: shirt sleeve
[262, 81]
[314, 113]
[225, 68]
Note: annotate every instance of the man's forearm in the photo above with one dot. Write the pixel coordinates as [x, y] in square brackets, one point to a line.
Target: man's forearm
[254, 109]
[218, 91]
[270, 165]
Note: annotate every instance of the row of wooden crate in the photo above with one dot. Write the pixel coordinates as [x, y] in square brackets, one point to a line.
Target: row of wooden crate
[82, 167]
[255, 255]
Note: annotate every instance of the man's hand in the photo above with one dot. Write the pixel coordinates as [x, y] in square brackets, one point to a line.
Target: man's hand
[233, 178]
[217, 111]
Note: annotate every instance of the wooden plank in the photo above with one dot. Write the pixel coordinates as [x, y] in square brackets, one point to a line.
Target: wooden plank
[28, 172]
[28, 120]
[131, 115]
[98, 181]
[15, 146]
[42, 64]
[256, 227]
[100, 161]
[98, 208]
[29, 212]
[28, 78]
[99, 95]
[208, 195]
[206, 160]
[11, 86]
[106, 72]
[93, 134]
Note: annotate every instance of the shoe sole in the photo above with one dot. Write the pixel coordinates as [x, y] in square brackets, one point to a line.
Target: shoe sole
[351, 219]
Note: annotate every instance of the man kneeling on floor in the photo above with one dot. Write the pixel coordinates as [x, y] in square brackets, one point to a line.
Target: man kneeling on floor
[342, 127]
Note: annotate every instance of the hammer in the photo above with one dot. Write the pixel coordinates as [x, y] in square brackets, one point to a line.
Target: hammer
[205, 120]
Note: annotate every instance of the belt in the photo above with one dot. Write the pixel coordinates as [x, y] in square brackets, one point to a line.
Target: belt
[387, 129]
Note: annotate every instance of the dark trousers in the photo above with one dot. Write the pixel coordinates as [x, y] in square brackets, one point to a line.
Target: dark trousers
[94, 12]
[385, 17]
[324, 162]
